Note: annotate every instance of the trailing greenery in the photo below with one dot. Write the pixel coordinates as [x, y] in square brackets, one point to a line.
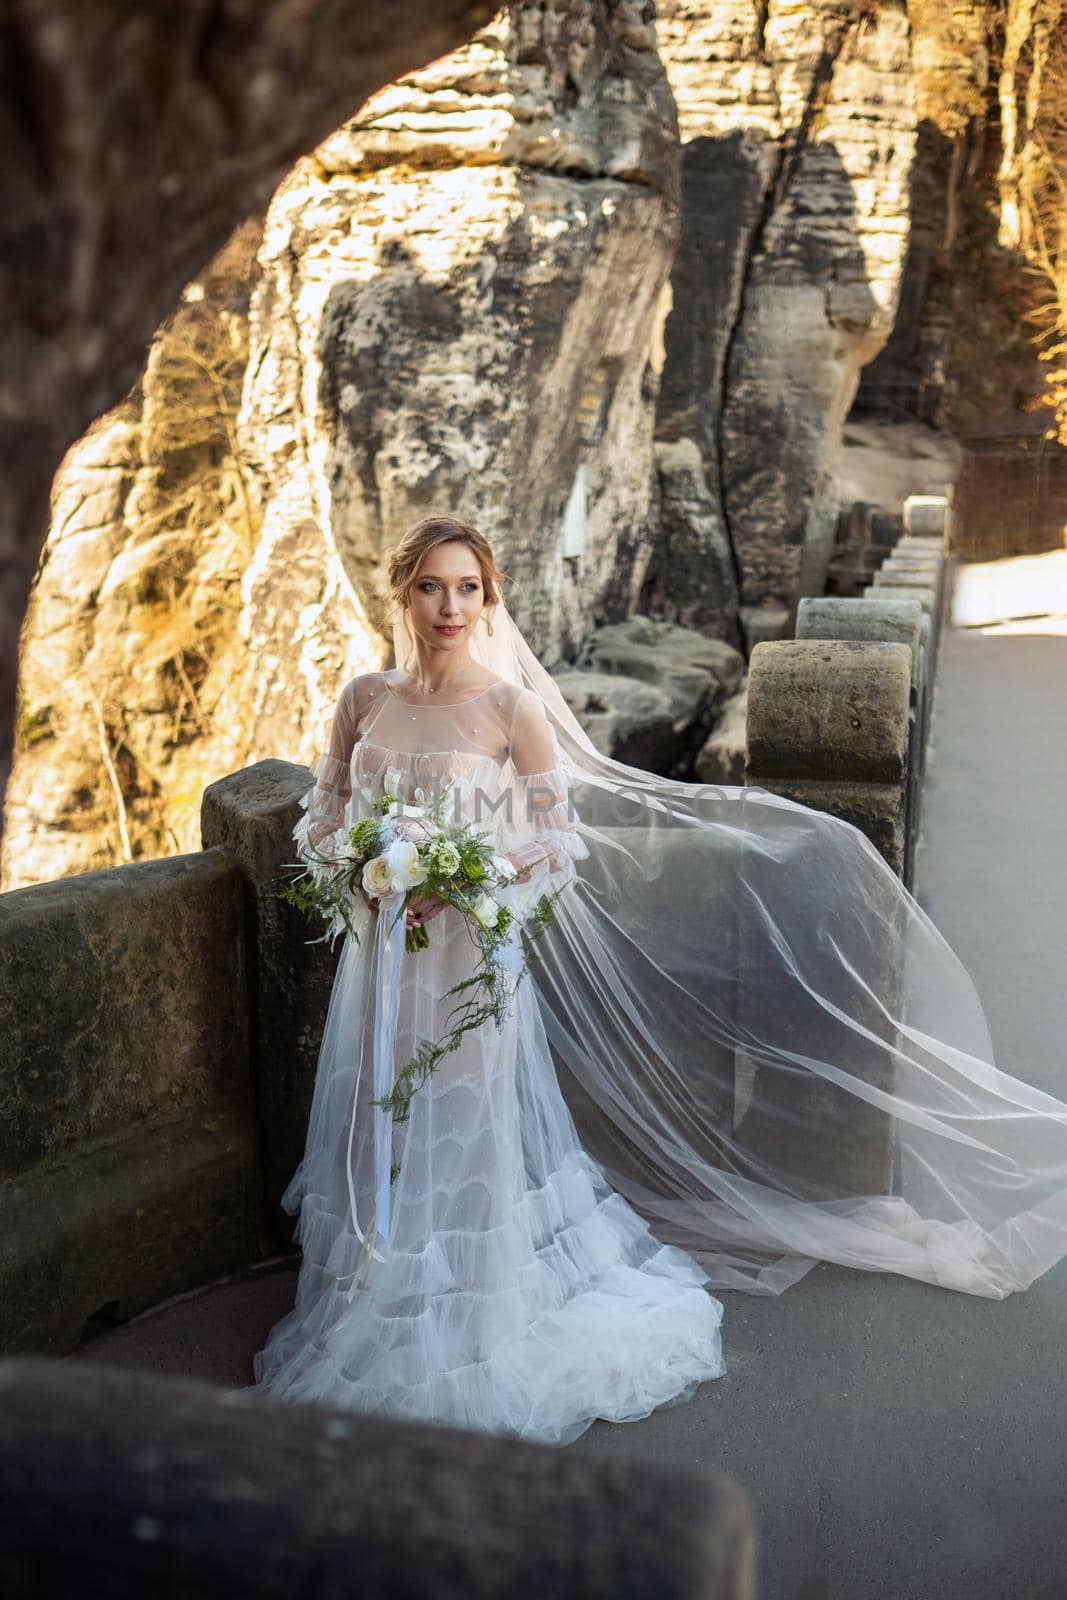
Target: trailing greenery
[462, 868]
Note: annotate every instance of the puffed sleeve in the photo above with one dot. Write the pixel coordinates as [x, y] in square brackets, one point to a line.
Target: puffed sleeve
[541, 828]
[325, 804]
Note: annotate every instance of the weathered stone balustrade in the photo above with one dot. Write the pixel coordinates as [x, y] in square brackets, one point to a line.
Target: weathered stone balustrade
[128, 1158]
[838, 720]
[884, 622]
[813, 740]
[175, 1487]
[828, 727]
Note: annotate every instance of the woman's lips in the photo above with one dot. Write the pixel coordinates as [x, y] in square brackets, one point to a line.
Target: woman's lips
[456, 628]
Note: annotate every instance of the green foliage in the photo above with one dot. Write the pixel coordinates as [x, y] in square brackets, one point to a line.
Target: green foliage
[488, 1004]
[459, 869]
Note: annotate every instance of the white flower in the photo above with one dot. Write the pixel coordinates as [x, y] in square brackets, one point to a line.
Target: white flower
[446, 858]
[377, 876]
[486, 910]
[404, 864]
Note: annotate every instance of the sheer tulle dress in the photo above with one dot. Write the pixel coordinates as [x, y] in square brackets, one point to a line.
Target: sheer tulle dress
[518, 1291]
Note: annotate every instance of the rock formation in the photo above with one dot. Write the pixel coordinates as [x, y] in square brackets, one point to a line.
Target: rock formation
[134, 140]
[458, 311]
[798, 128]
[442, 287]
[603, 284]
[133, 669]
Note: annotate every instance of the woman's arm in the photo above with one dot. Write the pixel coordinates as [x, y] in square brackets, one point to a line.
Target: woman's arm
[542, 833]
[320, 831]
[326, 802]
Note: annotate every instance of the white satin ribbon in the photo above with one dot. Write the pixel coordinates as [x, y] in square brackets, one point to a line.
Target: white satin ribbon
[389, 955]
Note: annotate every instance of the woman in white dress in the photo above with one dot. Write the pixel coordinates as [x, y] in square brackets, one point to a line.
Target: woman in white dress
[777, 1056]
[518, 1292]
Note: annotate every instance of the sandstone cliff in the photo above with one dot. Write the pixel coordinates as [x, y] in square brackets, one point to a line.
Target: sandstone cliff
[133, 673]
[798, 130]
[603, 282]
[459, 306]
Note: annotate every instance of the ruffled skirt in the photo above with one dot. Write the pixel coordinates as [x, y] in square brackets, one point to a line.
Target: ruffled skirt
[518, 1293]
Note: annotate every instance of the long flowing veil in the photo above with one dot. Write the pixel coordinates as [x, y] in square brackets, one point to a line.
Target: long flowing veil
[767, 1043]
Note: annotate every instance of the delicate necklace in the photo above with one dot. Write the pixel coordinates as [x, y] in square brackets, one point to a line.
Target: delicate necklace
[424, 689]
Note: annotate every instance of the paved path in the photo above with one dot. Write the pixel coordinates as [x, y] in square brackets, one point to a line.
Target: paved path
[899, 1441]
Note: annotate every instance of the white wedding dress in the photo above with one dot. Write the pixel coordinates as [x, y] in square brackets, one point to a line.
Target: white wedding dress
[518, 1291]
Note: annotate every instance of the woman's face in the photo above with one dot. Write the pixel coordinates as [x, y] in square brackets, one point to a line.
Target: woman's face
[447, 597]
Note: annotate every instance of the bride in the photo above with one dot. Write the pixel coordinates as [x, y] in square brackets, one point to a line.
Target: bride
[776, 1059]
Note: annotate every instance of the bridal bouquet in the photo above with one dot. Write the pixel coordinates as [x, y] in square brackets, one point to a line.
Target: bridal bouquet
[400, 853]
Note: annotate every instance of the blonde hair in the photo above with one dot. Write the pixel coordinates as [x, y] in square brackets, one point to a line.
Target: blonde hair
[403, 560]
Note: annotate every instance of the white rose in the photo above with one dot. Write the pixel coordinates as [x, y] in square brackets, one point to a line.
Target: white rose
[377, 876]
[486, 910]
[406, 870]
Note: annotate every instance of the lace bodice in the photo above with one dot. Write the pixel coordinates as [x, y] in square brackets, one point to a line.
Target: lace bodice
[404, 744]
[495, 751]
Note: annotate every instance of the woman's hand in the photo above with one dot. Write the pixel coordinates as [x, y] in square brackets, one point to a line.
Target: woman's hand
[423, 909]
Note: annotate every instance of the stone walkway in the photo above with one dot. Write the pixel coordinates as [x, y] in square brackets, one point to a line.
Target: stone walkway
[898, 1441]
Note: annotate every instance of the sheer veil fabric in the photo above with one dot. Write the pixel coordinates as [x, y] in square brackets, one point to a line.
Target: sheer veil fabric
[779, 1057]
[767, 1053]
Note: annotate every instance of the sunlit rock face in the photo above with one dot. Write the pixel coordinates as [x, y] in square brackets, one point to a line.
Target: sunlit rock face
[454, 304]
[798, 130]
[459, 311]
[131, 669]
[166, 644]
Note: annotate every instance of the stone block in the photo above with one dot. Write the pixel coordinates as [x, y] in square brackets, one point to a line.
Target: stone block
[908, 590]
[899, 621]
[129, 1134]
[833, 710]
[829, 728]
[877, 809]
[865, 621]
[925, 515]
[174, 1487]
[912, 560]
[902, 586]
[251, 813]
[628, 720]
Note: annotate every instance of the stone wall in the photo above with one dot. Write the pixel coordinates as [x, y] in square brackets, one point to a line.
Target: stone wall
[130, 1154]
